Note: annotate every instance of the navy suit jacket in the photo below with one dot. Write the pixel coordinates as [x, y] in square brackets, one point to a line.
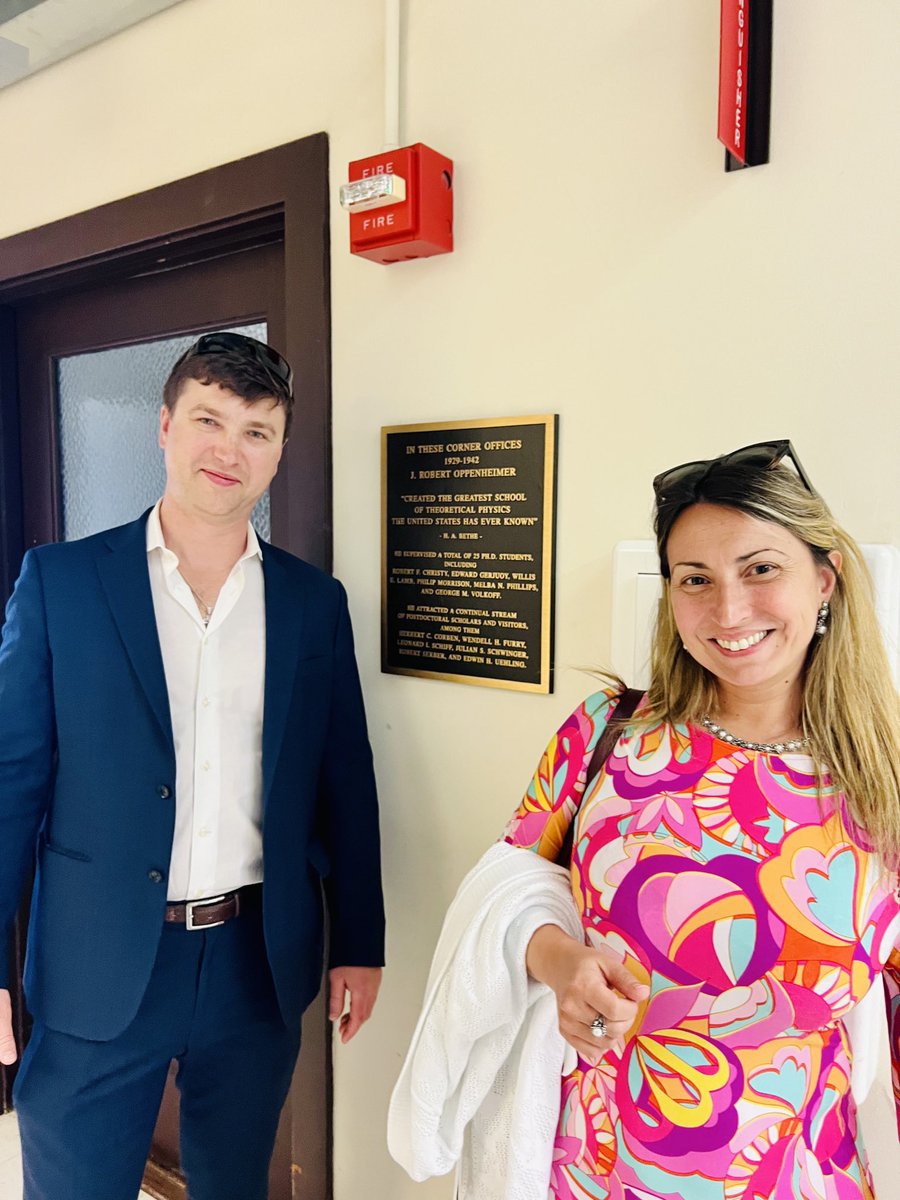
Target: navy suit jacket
[87, 781]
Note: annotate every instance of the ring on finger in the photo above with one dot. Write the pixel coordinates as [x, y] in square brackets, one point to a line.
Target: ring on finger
[598, 1026]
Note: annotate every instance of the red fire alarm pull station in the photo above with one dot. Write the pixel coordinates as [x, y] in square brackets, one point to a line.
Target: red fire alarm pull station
[400, 204]
[745, 82]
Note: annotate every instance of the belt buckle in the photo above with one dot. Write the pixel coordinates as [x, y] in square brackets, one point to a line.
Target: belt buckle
[189, 907]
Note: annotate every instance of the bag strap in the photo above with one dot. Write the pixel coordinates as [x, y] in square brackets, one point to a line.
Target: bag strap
[628, 702]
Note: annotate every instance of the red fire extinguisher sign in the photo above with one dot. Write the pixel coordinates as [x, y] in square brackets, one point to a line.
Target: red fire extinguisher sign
[745, 80]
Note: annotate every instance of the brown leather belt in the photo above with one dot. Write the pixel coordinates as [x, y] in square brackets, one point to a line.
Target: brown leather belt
[204, 914]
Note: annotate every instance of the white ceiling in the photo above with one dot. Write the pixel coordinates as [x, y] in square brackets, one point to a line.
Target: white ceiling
[54, 29]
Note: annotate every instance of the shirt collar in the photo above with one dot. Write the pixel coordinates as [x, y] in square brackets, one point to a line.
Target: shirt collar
[156, 541]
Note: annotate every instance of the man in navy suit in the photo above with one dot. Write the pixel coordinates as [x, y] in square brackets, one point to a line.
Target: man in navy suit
[183, 751]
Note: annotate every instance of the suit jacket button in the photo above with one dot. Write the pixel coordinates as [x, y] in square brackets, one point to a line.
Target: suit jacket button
[155, 876]
[164, 791]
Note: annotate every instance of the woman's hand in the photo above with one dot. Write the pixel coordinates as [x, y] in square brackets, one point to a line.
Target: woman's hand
[586, 983]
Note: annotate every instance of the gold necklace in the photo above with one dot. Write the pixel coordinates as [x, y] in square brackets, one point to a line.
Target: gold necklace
[206, 610]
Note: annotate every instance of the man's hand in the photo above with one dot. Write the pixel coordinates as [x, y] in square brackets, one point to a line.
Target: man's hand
[7, 1041]
[586, 982]
[359, 986]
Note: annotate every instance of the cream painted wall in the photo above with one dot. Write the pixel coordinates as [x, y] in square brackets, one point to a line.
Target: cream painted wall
[606, 269]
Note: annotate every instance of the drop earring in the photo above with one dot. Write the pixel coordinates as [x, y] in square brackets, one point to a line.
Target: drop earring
[822, 619]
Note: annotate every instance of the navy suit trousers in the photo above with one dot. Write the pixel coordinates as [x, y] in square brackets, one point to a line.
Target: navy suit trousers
[87, 1109]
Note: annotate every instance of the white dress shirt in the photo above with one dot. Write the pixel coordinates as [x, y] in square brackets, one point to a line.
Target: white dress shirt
[215, 677]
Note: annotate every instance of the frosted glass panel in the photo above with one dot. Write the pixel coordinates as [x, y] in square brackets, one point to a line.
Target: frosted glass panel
[111, 465]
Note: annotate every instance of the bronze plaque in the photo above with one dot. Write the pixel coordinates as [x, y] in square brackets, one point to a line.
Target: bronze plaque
[468, 551]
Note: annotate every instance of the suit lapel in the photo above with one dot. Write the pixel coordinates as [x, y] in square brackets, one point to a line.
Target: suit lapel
[126, 581]
[284, 623]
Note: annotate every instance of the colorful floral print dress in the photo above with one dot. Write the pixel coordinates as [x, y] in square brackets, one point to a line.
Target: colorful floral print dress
[758, 919]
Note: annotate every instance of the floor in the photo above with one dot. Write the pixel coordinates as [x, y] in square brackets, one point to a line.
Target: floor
[10, 1162]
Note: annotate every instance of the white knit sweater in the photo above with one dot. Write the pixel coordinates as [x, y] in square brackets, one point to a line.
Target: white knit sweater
[481, 1083]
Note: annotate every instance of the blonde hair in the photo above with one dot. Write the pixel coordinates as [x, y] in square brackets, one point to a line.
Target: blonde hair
[851, 708]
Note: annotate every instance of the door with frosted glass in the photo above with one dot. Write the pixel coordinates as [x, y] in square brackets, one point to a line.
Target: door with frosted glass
[91, 369]
[110, 464]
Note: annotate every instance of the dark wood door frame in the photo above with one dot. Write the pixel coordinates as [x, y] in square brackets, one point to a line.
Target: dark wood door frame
[279, 195]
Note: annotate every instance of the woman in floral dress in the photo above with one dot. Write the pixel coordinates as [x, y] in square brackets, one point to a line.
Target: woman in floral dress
[751, 895]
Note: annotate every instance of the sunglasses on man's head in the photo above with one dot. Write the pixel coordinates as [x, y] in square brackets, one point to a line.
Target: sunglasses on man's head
[761, 454]
[265, 356]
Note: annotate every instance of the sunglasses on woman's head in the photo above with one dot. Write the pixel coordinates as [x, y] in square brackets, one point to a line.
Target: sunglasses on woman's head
[761, 454]
[265, 356]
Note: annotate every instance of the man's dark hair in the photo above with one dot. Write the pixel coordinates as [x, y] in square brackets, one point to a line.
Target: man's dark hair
[240, 373]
